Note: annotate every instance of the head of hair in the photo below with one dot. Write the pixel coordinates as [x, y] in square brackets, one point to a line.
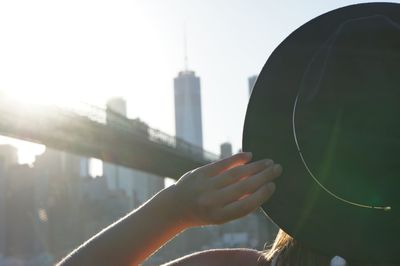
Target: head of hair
[286, 251]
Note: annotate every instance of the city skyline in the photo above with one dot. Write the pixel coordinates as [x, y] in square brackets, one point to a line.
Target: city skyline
[52, 206]
[134, 49]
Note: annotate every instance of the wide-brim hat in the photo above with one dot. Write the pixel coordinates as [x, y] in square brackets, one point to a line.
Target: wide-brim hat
[326, 106]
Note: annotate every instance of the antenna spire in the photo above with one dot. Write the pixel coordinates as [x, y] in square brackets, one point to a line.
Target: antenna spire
[185, 59]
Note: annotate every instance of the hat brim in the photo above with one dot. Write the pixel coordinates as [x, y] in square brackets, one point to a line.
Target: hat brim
[300, 206]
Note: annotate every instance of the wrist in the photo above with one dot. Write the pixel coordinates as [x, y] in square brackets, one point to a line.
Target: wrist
[174, 208]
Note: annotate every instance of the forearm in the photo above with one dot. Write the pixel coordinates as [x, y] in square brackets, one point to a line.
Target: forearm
[135, 237]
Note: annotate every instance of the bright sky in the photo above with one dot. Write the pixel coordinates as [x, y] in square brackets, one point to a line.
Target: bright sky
[93, 50]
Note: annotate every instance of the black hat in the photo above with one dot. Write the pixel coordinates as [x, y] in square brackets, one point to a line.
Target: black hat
[326, 106]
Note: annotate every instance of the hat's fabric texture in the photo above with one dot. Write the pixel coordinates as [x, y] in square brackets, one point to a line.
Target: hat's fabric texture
[327, 107]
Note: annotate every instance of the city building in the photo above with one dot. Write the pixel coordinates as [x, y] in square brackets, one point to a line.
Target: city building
[117, 105]
[100, 206]
[188, 121]
[8, 158]
[116, 111]
[57, 200]
[225, 150]
[252, 81]
[21, 238]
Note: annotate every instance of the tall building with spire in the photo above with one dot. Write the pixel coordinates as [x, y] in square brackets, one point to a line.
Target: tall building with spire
[188, 119]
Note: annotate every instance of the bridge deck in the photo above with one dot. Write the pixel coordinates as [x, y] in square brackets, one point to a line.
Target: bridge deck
[120, 140]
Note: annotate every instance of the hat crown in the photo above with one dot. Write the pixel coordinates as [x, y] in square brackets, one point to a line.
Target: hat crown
[334, 85]
[365, 45]
[376, 32]
[346, 118]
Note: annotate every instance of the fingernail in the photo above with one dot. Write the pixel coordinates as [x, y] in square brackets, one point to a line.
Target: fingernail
[271, 186]
[268, 162]
[277, 168]
[249, 154]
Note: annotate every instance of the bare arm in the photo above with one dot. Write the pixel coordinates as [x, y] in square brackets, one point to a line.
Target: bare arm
[217, 257]
[134, 237]
[212, 194]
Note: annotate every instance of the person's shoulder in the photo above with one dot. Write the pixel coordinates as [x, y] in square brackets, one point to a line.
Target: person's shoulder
[217, 257]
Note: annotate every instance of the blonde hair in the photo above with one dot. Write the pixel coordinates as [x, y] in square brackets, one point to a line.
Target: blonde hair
[286, 251]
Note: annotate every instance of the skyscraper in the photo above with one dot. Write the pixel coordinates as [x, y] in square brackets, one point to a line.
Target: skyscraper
[252, 82]
[116, 111]
[57, 179]
[226, 150]
[117, 105]
[188, 122]
[8, 158]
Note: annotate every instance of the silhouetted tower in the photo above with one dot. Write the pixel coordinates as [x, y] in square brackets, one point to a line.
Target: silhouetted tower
[226, 150]
[252, 82]
[116, 111]
[188, 121]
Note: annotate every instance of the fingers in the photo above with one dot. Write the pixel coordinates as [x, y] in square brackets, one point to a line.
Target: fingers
[249, 185]
[225, 164]
[234, 174]
[226, 189]
[248, 204]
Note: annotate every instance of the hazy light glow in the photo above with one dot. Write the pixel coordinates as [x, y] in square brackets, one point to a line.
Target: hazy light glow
[95, 167]
[26, 150]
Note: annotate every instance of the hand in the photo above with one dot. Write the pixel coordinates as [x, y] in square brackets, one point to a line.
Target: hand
[224, 190]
